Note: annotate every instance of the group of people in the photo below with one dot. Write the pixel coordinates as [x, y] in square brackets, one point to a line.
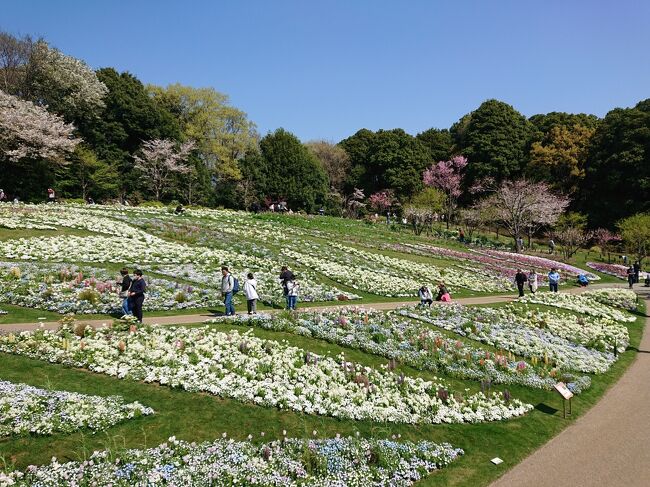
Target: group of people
[426, 297]
[132, 290]
[633, 273]
[532, 278]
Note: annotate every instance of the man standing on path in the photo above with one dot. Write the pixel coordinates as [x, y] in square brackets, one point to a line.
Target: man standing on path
[630, 276]
[227, 286]
[285, 277]
[553, 279]
[136, 294]
[637, 270]
[520, 280]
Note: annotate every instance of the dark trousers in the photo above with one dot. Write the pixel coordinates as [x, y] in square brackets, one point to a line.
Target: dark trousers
[252, 305]
[135, 304]
[553, 286]
[520, 287]
[426, 302]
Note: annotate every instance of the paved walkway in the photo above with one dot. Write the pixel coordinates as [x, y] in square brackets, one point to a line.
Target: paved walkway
[608, 446]
[200, 318]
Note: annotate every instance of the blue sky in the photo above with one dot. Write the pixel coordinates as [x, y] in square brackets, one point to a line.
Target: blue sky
[324, 69]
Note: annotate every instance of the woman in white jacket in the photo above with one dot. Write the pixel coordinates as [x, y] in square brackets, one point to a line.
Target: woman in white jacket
[250, 290]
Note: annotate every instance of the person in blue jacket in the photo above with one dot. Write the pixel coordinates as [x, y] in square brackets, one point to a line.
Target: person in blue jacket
[553, 279]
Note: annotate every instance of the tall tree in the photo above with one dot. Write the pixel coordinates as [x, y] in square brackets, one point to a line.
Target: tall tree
[290, 171]
[635, 232]
[334, 160]
[159, 160]
[86, 176]
[447, 176]
[560, 157]
[617, 171]
[438, 142]
[495, 138]
[545, 122]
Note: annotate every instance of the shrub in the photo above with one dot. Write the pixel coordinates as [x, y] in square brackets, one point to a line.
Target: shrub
[89, 295]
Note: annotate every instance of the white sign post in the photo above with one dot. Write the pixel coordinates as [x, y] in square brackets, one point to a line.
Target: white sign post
[566, 394]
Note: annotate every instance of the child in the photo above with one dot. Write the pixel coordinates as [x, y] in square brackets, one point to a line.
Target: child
[250, 290]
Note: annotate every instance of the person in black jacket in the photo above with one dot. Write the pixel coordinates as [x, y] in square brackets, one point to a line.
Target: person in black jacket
[124, 290]
[136, 294]
[285, 277]
[520, 279]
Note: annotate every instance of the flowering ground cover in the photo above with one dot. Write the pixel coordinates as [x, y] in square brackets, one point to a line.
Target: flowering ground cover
[27, 410]
[621, 298]
[616, 270]
[286, 463]
[264, 372]
[592, 305]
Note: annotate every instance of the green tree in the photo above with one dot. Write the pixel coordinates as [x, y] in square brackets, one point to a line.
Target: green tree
[387, 159]
[495, 138]
[617, 171]
[438, 142]
[334, 160]
[86, 176]
[560, 157]
[545, 122]
[635, 232]
[288, 170]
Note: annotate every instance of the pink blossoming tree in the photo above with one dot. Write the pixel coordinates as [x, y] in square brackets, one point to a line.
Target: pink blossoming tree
[159, 159]
[447, 176]
[381, 201]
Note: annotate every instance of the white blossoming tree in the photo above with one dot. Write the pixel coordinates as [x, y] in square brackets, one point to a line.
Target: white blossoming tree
[159, 159]
[28, 131]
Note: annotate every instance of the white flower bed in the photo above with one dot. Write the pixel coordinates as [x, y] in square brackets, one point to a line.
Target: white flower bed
[581, 303]
[27, 410]
[264, 372]
[621, 298]
[342, 462]
[506, 331]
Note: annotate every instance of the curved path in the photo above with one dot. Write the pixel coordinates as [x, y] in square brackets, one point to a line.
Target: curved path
[608, 446]
[200, 318]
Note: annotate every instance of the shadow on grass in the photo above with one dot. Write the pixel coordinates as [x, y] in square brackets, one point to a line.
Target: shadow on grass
[546, 409]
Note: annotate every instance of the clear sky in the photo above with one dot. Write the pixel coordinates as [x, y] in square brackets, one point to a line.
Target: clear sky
[326, 68]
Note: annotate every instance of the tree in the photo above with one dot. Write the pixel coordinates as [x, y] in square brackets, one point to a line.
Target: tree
[522, 205]
[617, 171]
[476, 216]
[15, 54]
[495, 138]
[545, 122]
[635, 232]
[424, 207]
[88, 176]
[438, 142]
[606, 240]
[571, 233]
[159, 159]
[447, 176]
[334, 160]
[290, 171]
[387, 159]
[354, 203]
[560, 157]
[381, 201]
[28, 131]
[222, 134]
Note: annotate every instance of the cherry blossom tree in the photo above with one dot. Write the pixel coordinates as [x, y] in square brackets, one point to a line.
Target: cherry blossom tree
[522, 205]
[447, 176]
[159, 159]
[606, 240]
[381, 201]
[28, 131]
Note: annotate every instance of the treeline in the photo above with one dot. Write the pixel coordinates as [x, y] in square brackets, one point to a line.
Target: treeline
[105, 135]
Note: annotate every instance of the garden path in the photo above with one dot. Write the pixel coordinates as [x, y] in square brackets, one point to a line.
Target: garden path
[608, 445]
[200, 318]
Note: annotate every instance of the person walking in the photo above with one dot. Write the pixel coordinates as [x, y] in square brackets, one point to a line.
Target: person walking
[426, 298]
[125, 285]
[293, 288]
[136, 294]
[520, 280]
[227, 288]
[551, 246]
[637, 271]
[553, 279]
[250, 290]
[532, 281]
[3, 196]
[630, 276]
[51, 195]
[285, 276]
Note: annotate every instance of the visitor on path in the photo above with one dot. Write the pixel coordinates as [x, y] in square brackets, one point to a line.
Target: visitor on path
[293, 288]
[387, 217]
[583, 280]
[461, 235]
[553, 279]
[637, 270]
[647, 279]
[179, 210]
[532, 281]
[285, 276]
[51, 196]
[250, 290]
[426, 298]
[630, 276]
[520, 244]
[551, 247]
[227, 289]
[125, 286]
[443, 293]
[624, 259]
[136, 294]
[3, 196]
[520, 280]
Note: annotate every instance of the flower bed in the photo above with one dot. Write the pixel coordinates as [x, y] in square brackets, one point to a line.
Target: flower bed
[415, 344]
[264, 372]
[27, 410]
[621, 298]
[287, 463]
[582, 303]
[506, 331]
[531, 261]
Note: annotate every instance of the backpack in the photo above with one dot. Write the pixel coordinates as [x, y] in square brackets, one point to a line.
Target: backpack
[235, 285]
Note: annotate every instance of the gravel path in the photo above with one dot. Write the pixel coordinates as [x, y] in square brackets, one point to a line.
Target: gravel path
[607, 446]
